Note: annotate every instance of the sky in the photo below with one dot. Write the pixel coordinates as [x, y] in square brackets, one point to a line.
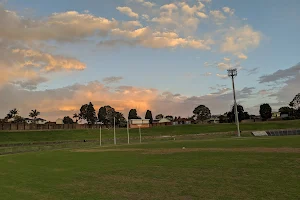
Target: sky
[167, 56]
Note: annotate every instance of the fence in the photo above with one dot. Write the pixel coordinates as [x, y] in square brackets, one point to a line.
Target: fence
[24, 126]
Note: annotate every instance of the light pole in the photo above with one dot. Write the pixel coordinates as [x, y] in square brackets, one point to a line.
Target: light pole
[233, 73]
[115, 140]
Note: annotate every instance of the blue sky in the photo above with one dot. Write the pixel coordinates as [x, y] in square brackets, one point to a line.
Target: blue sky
[265, 32]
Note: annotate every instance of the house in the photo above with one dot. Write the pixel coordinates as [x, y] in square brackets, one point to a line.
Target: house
[28, 120]
[213, 120]
[182, 121]
[164, 120]
[275, 115]
[59, 121]
[40, 121]
[139, 123]
[82, 121]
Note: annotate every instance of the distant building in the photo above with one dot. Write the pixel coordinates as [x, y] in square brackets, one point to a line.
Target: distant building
[136, 123]
[213, 120]
[275, 115]
[59, 121]
[82, 121]
[164, 120]
[36, 121]
[182, 121]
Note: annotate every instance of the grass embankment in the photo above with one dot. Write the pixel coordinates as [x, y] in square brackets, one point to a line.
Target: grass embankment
[212, 169]
[93, 134]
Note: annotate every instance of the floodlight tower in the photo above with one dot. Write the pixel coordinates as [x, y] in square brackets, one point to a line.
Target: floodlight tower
[233, 73]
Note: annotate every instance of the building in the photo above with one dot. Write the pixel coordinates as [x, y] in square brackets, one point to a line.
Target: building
[139, 123]
[182, 121]
[164, 120]
[275, 115]
[59, 121]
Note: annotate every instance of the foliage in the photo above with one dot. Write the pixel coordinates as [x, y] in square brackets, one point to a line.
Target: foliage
[76, 117]
[120, 119]
[202, 113]
[169, 117]
[246, 115]
[19, 119]
[88, 113]
[33, 114]
[223, 118]
[133, 114]
[106, 115]
[159, 116]
[295, 103]
[14, 112]
[265, 111]
[286, 110]
[241, 113]
[68, 120]
[149, 116]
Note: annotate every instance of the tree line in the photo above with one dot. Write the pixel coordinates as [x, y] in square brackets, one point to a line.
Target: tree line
[107, 115]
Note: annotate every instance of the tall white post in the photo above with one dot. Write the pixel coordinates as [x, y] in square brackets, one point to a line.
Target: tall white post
[100, 138]
[115, 140]
[128, 137]
[235, 109]
[140, 134]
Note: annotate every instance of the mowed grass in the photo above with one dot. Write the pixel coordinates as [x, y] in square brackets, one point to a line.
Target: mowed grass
[93, 134]
[158, 171]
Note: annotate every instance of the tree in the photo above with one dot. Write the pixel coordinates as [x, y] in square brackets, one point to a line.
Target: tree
[76, 117]
[68, 120]
[88, 113]
[295, 103]
[19, 119]
[202, 113]
[241, 114]
[149, 116]
[286, 110]
[246, 115]
[169, 117]
[159, 116]
[14, 112]
[223, 118]
[33, 114]
[133, 114]
[120, 119]
[106, 115]
[265, 111]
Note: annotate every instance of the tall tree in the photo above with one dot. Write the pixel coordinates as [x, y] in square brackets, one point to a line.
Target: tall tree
[120, 119]
[149, 116]
[159, 116]
[19, 119]
[106, 115]
[14, 112]
[241, 114]
[202, 113]
[68, 120]
[133, 114]
[76, 117]
[295, 103]
[246, 115]
[265, 111]
[88, 113]
[169, 117]
[33, 114]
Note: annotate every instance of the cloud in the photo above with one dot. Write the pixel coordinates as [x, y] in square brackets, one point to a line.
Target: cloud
[112, 79]
[227, 59]
[217, 16]
[228, 10]
[252, 71]
[289, 73]
[30, 84]
[224, 66]
[130, 25]
[207, 74]
[67, 26]
[241, 39]
[128, 11]
[222, 76]
[202, 15]
[241, 56]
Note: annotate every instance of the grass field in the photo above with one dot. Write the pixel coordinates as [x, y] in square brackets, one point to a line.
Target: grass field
[216, 168]
[93, 134]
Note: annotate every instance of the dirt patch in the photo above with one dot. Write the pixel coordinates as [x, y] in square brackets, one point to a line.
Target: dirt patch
[179, 150]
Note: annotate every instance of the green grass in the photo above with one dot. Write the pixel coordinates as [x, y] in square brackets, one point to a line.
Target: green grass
[138, 174]
[93, 134]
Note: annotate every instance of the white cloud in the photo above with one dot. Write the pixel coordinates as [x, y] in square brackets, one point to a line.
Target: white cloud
[241, 56]
[241, 39]
[222, 76]
[202, 15]
[223, 66]
[228, 10]
[226, 59]
[170, 6]
[217, 15]
[128, 11]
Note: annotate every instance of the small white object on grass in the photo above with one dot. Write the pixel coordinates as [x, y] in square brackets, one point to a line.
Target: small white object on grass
[183, 147]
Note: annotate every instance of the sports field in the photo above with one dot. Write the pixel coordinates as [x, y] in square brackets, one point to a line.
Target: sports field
[213, 168]
[121, 134]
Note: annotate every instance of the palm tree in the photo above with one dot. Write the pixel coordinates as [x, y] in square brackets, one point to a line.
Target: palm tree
[33, 114]
[76, 116]
[14, 112]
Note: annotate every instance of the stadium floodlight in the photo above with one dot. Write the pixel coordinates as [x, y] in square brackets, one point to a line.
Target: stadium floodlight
[233, 73]
[128, 137]
[115, 139]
